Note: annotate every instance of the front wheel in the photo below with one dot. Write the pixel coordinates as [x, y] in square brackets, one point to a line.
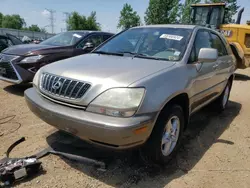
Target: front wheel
[166, 136]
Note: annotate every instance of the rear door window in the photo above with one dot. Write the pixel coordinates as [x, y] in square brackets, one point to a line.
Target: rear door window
[218, 44]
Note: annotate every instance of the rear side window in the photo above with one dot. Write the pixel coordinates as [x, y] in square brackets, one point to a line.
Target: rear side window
[3, 44]
[96, 40]
[15, 40]
[247, 40]
[218, 44]
[6, 41]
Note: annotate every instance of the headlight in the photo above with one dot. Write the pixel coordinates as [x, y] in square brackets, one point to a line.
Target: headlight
[36, 78]
[32, 59]
[119, 102]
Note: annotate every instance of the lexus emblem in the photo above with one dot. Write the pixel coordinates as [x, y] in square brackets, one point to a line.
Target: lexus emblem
[57, 85]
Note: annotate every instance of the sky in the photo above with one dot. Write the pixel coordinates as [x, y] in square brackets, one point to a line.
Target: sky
[108, 11]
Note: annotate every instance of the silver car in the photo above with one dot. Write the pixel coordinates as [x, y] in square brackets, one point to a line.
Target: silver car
[137, 89]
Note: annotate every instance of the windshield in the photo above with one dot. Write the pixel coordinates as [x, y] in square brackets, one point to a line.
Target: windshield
[63, 39]
[201, 15]
[15, 40]
[157, 43]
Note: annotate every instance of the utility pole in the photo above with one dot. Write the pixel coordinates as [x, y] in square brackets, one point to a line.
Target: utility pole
[52, 19]
[67, 15]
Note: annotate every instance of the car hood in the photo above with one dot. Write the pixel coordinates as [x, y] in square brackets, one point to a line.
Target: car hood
[28, 49]
[106, 70]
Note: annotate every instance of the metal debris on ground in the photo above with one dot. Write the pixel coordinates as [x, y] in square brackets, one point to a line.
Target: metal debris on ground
[15, 169]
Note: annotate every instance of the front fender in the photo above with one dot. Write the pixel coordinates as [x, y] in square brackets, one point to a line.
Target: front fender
[163, 86]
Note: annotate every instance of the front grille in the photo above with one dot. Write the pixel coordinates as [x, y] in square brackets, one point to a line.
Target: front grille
[7, 71]
[63, 87]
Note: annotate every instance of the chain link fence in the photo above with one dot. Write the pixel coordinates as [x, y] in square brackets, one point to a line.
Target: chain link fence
[21, 33]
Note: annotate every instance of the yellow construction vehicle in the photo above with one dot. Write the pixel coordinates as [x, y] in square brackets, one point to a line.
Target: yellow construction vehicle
[238, 35]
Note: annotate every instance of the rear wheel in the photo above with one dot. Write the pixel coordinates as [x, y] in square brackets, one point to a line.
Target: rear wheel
[166, 136]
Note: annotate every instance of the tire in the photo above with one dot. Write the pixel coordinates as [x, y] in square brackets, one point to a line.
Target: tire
[221, 102]
[154, 148]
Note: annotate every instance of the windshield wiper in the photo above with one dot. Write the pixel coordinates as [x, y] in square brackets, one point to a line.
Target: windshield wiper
[138, 55]
[145, 56]
[151, 57]
[133, 53]
[107, 53]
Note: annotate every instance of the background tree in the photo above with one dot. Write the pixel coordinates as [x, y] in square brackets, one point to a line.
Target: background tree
[92, 23]
[75, 21]
[1, 19]
[128, 18]
[162, 12]
[186, 10]
[231, 10]
[33, 28]
[43, 30]
[81, 22]
[13, 21]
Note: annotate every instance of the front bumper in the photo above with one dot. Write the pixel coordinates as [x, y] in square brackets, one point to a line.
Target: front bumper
[112, 132]
[12, 72]
[9, 73]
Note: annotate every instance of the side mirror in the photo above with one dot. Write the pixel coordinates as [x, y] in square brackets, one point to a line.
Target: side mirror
[88, 45]
[208, 55]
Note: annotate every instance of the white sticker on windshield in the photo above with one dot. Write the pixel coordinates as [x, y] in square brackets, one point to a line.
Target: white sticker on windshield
[171, 37]
[177, 53]
[173, 58]
[76, 35]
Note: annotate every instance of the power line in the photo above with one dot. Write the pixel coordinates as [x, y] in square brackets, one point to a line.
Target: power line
[52, 19]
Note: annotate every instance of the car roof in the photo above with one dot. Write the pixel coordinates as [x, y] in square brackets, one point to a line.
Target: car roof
[181, 26]
[86, 32]
[169, 26]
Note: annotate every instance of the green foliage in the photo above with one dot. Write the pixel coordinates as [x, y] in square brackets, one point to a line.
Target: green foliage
[1, 19]
[92, 23]
[128, 18]
[33, 28]
[43, 30]
[13, 21]
[81, 22]
[162, 12]
[231, 10]
[186, 10]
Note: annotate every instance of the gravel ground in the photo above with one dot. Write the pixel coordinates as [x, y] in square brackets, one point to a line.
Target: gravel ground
[214, 154]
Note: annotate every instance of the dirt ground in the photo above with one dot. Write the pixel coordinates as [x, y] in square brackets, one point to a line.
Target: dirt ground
[215, 151]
